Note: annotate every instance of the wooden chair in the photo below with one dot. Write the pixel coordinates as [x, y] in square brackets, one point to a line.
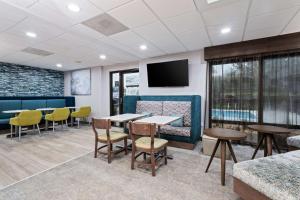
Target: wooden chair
[108, 138]
[146, 144]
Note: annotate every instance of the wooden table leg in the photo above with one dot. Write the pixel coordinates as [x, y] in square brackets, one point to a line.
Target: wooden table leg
[212, 155]
[231, 151]
[223, 161]
[258, 145]
[275, 144]
[265, 147]
[269, 145]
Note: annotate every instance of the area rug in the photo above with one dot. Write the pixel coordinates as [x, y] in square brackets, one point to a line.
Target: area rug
[88, 178]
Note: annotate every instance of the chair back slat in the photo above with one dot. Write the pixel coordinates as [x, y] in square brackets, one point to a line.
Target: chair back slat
[142, 129]
[101, 123]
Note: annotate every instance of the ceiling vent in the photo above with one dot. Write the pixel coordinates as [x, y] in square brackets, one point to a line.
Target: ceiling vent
[38, 52]
[105, 24]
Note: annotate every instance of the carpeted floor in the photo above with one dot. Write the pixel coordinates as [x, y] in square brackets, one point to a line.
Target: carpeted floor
[88, 178]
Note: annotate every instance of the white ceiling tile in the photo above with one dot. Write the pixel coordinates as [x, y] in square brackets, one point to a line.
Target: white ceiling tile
[109, 4]
[84, 31]
[277, 19]
[261, 33]
[195, 39]
[57, 11]
[43, 30]
[228, 15]
[8, 12]
[218, 38]
[294, 25]
[202, 5]
[19, 57]
[186, 22]
[133, 14]
[13, 42]
[170, 8]
[161, 37]
[22, 3]
[260, 7]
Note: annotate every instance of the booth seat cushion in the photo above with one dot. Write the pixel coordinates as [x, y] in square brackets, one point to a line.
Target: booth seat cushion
[172, 130]
[294, 141]
[33, 104]
[171, 108]
[277, 177]
[55, 103]
[153, 107]
[9, 105]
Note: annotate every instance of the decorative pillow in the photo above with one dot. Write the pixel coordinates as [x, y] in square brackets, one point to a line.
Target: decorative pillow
[178, 108]
[153, 107]
[178, 122]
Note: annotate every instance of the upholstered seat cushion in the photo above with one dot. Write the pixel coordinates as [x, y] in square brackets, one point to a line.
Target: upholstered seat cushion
[277, 177]
[294, 141]
[113, 136]
[172, 130]
[145, 143]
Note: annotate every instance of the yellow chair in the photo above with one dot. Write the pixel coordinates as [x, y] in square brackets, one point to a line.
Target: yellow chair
[59, 114]
[26, 118]
[83, 112]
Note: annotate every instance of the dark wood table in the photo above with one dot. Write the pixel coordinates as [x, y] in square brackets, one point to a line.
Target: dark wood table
[224, 136]
[267, 133]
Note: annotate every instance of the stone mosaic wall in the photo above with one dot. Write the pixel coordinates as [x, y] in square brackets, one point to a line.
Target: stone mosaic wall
[20, 80]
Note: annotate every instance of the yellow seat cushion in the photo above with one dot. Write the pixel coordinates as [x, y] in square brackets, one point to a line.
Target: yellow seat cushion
[145, 143]
[113, 136]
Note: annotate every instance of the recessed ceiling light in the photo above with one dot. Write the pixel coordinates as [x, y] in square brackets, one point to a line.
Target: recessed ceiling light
[73, 7]
[31, 34]
[212, 1]
[59, 65]
[102, 56]
[143, 47]
[225, 30]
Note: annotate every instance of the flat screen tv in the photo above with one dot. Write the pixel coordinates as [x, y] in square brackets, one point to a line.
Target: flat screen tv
[168, 74]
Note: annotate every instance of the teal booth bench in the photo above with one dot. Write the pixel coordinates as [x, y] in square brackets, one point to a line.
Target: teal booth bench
[170, 105]
[30, 103]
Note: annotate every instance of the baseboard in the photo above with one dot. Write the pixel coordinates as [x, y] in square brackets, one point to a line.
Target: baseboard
[183, 145]
[247, 192]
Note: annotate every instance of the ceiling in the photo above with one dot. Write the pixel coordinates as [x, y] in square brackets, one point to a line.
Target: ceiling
[164, 26]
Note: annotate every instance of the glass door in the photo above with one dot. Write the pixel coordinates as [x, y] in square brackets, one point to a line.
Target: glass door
[122, 83]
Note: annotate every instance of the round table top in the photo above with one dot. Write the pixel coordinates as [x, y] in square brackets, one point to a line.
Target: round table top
[269, 129]
[224, 134]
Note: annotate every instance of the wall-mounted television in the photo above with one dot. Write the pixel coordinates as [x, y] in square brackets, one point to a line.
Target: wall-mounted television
[168, 74]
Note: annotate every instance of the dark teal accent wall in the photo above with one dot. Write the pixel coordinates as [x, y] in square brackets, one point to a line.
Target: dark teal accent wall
[20, 80]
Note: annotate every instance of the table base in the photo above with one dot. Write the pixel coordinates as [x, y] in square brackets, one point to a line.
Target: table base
[223, 157]
[268, 146]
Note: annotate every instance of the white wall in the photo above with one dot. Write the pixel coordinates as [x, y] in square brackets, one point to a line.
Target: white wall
[99, 100]
[95, 99]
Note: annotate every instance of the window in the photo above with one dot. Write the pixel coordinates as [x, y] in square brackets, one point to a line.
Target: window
[257, 90]
[234, 92]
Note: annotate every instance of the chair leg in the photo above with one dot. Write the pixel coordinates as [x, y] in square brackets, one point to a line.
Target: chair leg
[78, 121]
[96, 149]
[166, 155]
[62, 125]
[11, 131]
[67, 123]
[53, 127]
[153, 163]
[125, 146]
[20, 130]
[132, 156]
[109, 152]
[38, 127]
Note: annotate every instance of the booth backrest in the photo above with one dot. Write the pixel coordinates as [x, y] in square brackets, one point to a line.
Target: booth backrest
[33, 104]
[130, 106]
[9, 105]
[55, 103]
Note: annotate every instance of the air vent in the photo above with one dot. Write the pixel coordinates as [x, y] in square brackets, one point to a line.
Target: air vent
[38, 52]
[105, 24]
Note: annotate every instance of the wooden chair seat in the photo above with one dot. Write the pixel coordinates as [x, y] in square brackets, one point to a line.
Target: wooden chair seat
[145, 143]
[114, 136]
